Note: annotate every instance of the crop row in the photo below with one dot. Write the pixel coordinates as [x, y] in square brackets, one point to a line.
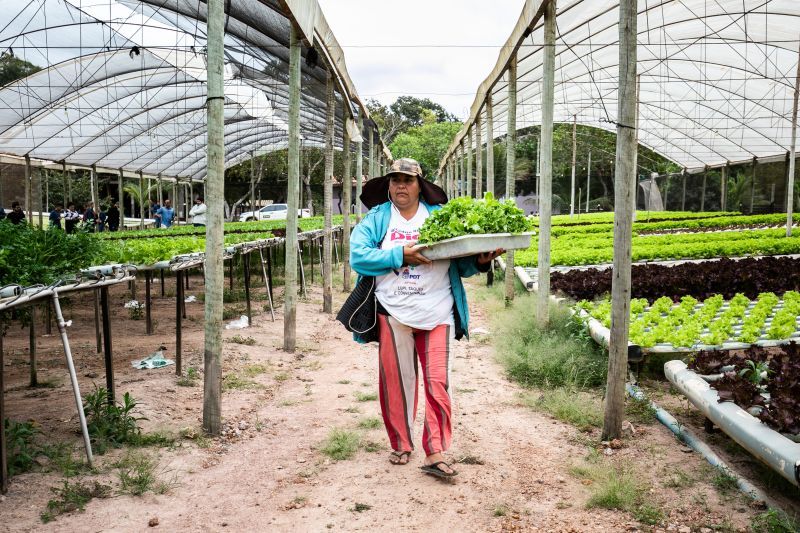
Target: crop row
[594, 249]
[646, 216]
[727, 277]
[690, 324]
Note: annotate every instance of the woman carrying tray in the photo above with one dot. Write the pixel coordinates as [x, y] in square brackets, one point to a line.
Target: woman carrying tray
[421, 306]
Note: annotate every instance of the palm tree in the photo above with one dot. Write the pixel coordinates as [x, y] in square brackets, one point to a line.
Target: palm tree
[136, 195]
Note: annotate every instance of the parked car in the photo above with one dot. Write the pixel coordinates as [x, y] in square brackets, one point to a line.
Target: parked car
[272, 212]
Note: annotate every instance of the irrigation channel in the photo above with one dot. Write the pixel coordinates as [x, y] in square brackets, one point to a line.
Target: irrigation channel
[97, 280]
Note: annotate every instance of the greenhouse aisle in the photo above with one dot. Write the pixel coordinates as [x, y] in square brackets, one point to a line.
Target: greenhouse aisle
[269, 472]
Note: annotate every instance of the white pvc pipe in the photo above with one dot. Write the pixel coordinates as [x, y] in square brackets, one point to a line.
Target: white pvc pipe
[777, 451]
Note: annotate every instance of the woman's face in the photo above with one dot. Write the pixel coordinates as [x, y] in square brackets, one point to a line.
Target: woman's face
[404, 190]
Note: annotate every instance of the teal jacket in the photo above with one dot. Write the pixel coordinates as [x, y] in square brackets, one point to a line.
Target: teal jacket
[367, 258]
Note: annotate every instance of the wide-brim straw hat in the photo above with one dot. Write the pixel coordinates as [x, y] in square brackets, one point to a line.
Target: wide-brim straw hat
[376, 190]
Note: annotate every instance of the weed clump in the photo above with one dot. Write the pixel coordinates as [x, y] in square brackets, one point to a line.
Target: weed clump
[341, 444]
[560, 355]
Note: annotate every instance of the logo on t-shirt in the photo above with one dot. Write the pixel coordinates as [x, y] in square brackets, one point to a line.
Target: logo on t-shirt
[402, 235]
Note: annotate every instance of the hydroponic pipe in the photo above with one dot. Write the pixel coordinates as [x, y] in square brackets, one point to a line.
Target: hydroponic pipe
[699, 446]
[777, 451]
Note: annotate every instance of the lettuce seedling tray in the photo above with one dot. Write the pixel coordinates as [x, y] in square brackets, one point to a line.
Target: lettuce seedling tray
[476, 244]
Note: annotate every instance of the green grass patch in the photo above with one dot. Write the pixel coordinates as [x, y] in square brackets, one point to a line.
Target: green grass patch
[190, 378]
[372, 422]
[73, 497]
[616, 487]
[640, 410]
[366, 396]
[236, 382]
[137, 475]
[252, 371]
[723, 481]
[774, 521]
[361, 507]
[341, 444]
[581, 409]
[238, 339]
[559, 355]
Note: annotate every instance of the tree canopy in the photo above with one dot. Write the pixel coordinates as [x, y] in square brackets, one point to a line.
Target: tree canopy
[406, 112]
[12, 69]
[426, 143]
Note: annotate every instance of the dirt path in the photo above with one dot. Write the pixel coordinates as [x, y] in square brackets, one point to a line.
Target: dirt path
[267, 473]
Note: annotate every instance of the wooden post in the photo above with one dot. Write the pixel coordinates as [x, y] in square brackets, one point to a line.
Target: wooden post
[159, 190]
[511, 153]
[253, 184]
[39, 198]
[462, 183]
[371, 161]
[141, 201]
[753, 184]
[107, 346]
[215, 193]
[65, 181]
[290, 285]
[723, 188]
[327, 197]
[792, 155]
[478, 159]
[359, 165]
[94, 191]
[489, 144]
[703, 193]
[148, 279]
[347, 191]
[34, 381]
[574, 162]
[28, 190]
[625, 173]
[545, 159]
[120, 203]
[161, 280]
[469, 162]
[588, 179]
[683, 194]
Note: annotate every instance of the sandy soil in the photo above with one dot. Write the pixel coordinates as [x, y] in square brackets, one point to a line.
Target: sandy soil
[267, 473]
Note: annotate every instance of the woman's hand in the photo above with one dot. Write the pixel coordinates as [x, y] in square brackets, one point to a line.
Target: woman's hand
[485, 258]
[412, 255]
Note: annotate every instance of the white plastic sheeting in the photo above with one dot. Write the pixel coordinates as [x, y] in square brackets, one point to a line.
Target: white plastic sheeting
[716, 77]
[123, 83]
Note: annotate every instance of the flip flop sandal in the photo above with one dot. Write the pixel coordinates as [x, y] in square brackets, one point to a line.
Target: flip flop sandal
[434, 470]
[396, 458]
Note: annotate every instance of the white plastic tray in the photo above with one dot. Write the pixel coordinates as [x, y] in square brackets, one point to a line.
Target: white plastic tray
[476, 244]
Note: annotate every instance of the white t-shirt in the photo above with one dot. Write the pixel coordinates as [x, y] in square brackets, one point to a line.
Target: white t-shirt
[418, 296]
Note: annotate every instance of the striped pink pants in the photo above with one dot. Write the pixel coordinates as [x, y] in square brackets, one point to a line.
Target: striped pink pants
[400, 348]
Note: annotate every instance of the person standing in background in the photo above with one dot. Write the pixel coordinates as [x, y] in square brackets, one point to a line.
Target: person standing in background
[55, 216]
[71, 217]
[17, 215]
[165, 214]
[112, 217]
[198, 212]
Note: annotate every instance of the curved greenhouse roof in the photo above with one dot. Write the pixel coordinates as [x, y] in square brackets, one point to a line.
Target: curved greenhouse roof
[716, 78]
[123, 82]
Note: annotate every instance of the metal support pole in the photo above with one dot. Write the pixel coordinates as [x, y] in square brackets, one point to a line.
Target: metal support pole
[107, 345]
[753, 185]
[97, 335]
[683, 194]
[290, 284]
[178, 320]
[311, 257]
[34, 381]
[574, 162]
[39, 198]
[703, 193]
[161, 279]
[302, 271]
[246, 263]
[723, 177]
[73, 377]
[148, 319]
[545, 159]
[141, 201]
[253, 183]
[269, 276]
[267, 283]
[625, 176]
[65, 182]
[792, 155]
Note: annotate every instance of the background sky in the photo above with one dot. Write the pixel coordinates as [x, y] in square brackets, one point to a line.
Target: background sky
[437, 49]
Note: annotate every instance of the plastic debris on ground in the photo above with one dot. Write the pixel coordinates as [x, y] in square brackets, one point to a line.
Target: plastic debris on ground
[241, 323]
[155, 360]
[190, 299]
